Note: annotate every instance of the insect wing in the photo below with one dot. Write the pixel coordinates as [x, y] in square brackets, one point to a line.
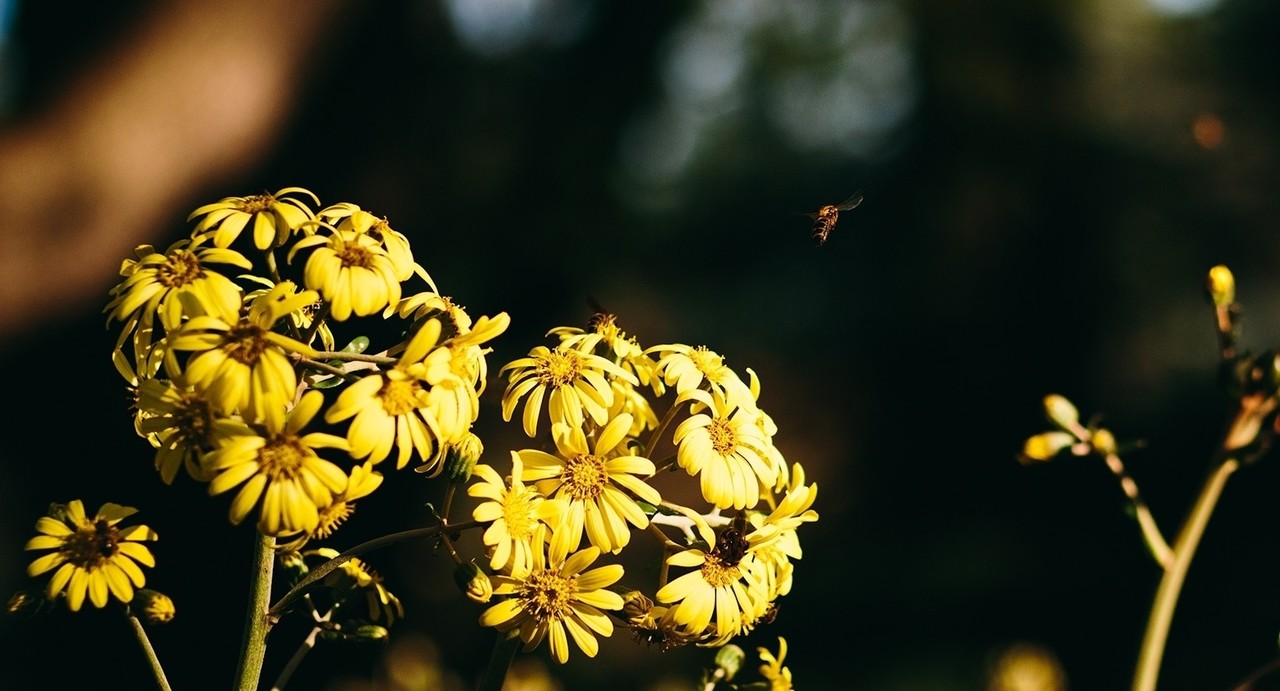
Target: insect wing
[852, 202]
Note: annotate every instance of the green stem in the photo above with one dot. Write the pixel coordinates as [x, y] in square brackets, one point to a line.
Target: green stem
[324, 569]
[161, 681]
[1184, 549]
[253, 648]
[504, 653]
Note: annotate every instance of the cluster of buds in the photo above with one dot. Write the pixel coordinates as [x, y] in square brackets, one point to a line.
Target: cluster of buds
[1068, 435]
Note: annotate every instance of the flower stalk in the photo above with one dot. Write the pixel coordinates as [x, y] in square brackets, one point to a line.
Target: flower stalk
[253, 648]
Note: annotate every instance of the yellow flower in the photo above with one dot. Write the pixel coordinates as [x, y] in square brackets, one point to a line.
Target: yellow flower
[576, 382]
[603, 333]
[557, 596]
[94, 556]
[687, 368]
[240, 364]
[360, 484]
[513, 514]
[592, 479]
[275, 217]
[350, 270]
[179, 423]
[159, 283]
[779, 677]
[349, 217]
[727, 450]
[279, 466]
[392, 407]
[724, 590]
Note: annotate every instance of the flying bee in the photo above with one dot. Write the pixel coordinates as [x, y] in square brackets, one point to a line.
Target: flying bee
[824, 219]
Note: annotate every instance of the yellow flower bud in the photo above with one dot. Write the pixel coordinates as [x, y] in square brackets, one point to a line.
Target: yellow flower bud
[473, 582]
[635, 606]
[1046, 445]
[1104, 442]
[1061, 411]
[153, 607]
[1221, 285]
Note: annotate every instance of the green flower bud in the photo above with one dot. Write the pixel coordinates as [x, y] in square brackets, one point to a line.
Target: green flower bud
[473, 582]
[293, 564]
[370, 633]
[729, 659]
[153, 606]
[1061, 411]
[1221, 286]
[461, 458]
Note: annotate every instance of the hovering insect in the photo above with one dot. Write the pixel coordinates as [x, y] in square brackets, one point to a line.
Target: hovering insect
[824, 219]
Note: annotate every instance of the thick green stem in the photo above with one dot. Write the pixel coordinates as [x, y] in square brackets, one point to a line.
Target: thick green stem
[504, 653]
[161, 681]
[1184, 549]
[253, 648]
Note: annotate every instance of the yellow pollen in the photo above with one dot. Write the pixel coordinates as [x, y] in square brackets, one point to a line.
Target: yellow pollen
[282, 458]
[584, 477]
[245, 343]
[546, 595]
[180, 268]
[723, 438]
[400, 396]
[517, 511]
[91, 545]
[331, 517]
[352, 254]
[559, 368]
[255, 204]
[706, 361]
[717, 574]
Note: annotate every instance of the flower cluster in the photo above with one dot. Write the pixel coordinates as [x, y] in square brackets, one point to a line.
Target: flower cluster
[593, 488]
[231, 369]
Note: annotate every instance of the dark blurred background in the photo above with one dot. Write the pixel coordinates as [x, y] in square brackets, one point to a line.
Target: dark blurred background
[1046, 184]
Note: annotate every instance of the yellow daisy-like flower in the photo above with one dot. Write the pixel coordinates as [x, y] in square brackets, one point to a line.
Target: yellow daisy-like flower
[779, 677]
[392, 408]
[458, 373]
[513, 514]
[241, 364]
[726, 449]
[775, 533]
[592, 479]
[577, 382]
[94, 556]
[349, 217]
[557, 595]
[278, 465]
[687, 368]
[360, 484]
[352, 271]
[275, 217]
[167, 283]
[155, 279]
[603, 333]
[723, 589]
[179, 423]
